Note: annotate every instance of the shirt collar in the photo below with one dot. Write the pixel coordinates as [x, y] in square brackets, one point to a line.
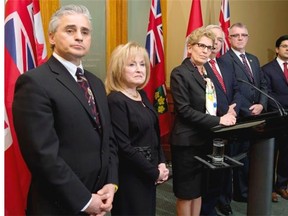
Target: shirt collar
[68, 65]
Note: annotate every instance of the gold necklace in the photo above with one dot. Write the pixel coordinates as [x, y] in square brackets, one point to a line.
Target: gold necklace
[135, 96]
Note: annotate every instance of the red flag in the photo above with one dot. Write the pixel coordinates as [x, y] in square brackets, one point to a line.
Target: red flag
[195, 21]
[224, 22]
[156, 89]
[24, 49]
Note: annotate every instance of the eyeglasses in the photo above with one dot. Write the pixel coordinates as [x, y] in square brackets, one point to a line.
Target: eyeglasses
[284, 46]
[203, 46]
[238, 35]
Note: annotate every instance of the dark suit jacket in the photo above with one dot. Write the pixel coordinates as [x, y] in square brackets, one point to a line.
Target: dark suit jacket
[232, 95]
[277, 84]
[250, 96]
[192, 124]
[65, 153]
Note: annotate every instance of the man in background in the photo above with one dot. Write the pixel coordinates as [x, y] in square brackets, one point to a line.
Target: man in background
[221, 72]
[248, 73]
[276, 73]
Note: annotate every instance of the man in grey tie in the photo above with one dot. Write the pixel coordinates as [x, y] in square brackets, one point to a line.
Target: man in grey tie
[247, 68]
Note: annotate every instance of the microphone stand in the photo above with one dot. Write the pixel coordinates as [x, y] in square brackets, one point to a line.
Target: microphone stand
[279, 106]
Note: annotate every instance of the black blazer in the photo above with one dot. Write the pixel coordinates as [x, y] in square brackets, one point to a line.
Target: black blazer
[192, 124]
[250, 96]
[277, 84]
[65, 153]
[232, 95]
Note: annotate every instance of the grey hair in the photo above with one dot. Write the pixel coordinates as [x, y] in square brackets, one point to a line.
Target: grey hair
[213, 26]
[67, 10]
[239, 25]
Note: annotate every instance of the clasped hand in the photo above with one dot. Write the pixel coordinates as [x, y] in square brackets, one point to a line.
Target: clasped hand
[163, 173]
[101, 202]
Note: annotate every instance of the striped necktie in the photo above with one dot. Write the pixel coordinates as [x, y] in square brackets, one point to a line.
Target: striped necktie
[217, 74]
[247, 68]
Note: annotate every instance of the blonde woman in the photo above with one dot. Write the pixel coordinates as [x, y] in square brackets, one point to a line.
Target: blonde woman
[135, 125]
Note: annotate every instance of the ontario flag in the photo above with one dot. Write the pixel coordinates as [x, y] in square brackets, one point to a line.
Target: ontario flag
[156, 89]
[195, 21]
[224, 22]
[24, 49]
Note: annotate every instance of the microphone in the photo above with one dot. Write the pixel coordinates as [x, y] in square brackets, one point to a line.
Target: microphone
[279, 106]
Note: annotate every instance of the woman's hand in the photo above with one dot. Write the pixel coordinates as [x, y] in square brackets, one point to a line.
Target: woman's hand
[228, 119]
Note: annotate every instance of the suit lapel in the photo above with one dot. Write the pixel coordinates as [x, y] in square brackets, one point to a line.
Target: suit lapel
[195, 73]
[63, 76]
[225, 74]
[278, 70]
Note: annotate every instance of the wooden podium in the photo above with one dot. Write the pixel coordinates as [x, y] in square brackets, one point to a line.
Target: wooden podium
[261, 131]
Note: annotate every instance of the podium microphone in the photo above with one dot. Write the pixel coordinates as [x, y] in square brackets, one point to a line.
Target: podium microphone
[279, 106]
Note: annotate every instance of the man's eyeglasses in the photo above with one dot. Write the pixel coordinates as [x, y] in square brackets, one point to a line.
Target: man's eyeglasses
[203, 46]
[284, 46]
[238, 35]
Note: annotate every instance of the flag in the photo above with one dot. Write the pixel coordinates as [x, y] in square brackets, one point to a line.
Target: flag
[195, 21]
[224, 22]
[24, 49]
[156, 89]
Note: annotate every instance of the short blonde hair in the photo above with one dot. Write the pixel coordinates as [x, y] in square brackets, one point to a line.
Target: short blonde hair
[198, 33]
[119, 58]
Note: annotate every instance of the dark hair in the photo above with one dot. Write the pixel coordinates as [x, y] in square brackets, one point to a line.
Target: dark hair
[280, 39]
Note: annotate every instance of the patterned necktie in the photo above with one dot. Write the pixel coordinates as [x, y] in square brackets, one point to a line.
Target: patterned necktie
[286, 70]
[247, 68]
[84, 84]
[217, 74]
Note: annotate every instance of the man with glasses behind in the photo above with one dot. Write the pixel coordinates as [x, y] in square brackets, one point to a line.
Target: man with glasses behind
[247, 70]
[228, 101]
[276, 72]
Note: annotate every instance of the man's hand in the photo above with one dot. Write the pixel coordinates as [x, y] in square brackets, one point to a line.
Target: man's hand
[107, 196]
[94, 207]
[101, 202]
[232, 109]
[256, 109]
[163, 173]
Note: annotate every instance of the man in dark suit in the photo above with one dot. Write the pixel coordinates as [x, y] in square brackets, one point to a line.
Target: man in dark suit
[247, 69]
[276, 73]
[228, 101]
[69, 150]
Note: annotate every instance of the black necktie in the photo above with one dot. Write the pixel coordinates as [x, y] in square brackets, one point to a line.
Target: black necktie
[247, 68]
[84, 84]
